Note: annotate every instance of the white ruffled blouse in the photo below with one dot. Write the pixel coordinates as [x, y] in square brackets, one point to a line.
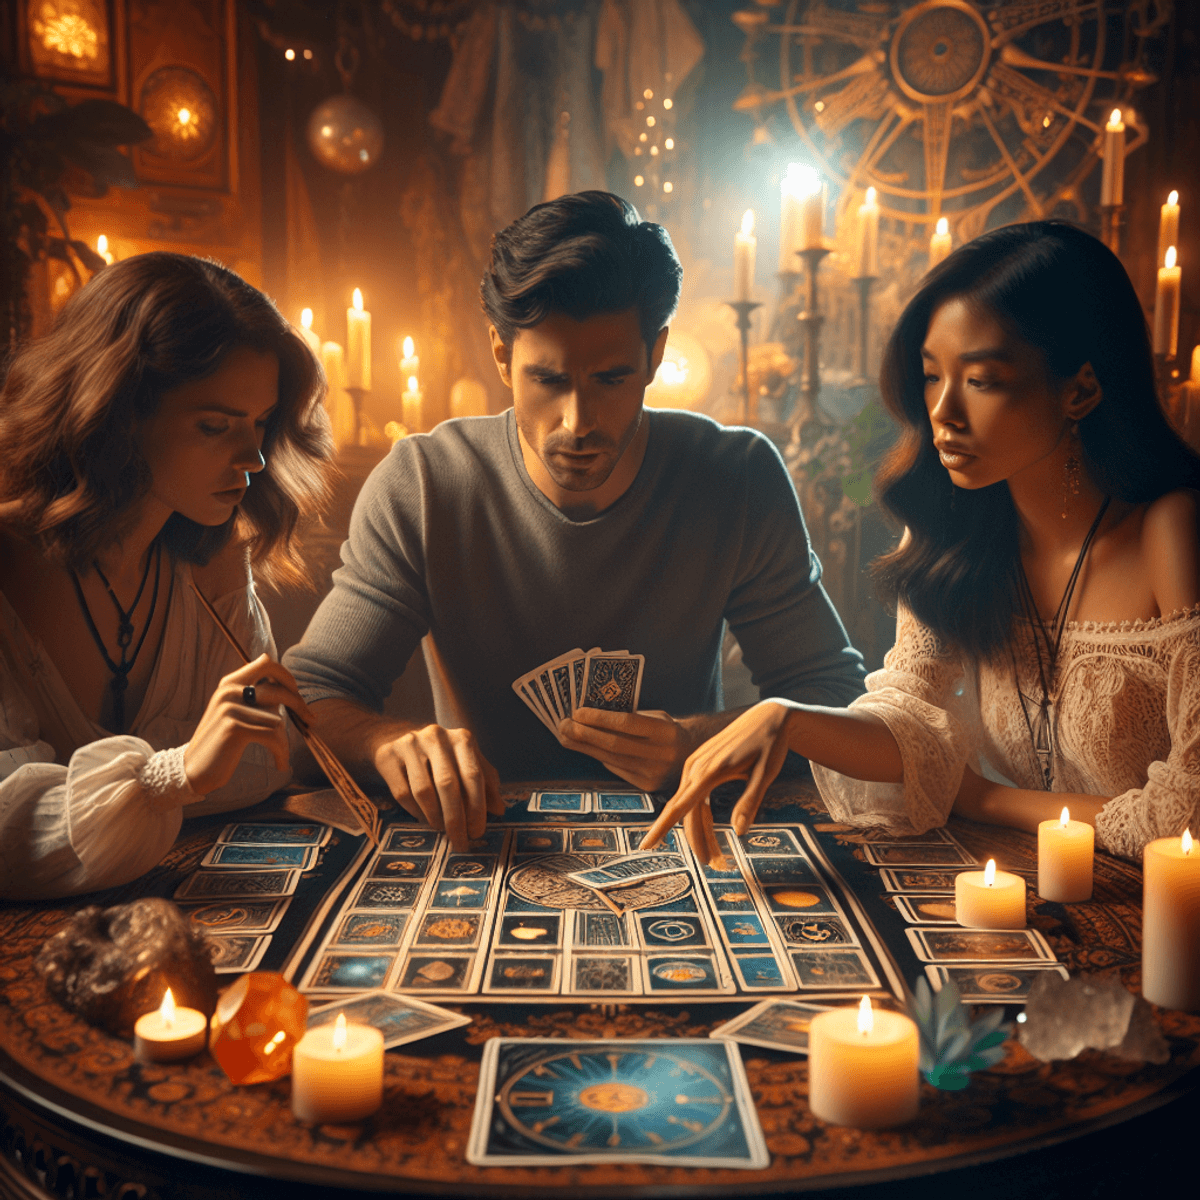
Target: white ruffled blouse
[1126, 724]
[114, 809]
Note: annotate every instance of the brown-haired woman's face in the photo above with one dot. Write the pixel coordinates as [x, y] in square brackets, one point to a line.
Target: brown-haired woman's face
[994, 410]
[204, 441]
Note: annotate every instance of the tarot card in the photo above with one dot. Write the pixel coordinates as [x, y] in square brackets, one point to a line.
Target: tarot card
[453, 894]
[400, 866]
[670, 840]
[912, 854]
[603, 973]
[842, 969]
[611, 802]
[731, 897]
[774, 871]
[560, 802]
[371, 929]
[538, 1100]
[629, 868]
[229, 854]
[535, 703]
[930, 836]
[594, 840]
[521, 931]
[540, 841]
[459, 930]
[613, 682]
[998, 984]
[775, 1024]
[436, 973]
[936, 908]
[556, 683]
[238, 916]
[769, 841]
[668, 931]
[600, 929]
[237, 954]
[469, 866]
[744, 929]
[347, 971]
[684, 973]
[903, 880]
[760, 972]
[400, 1019]
[523, 973]
[815, 930]
[807, 899]
[979, 945]
[404, 839]
[382, 894]
[290, 834]
[204, 885]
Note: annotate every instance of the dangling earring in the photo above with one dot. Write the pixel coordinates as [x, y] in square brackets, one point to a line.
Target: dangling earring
[1072, 471]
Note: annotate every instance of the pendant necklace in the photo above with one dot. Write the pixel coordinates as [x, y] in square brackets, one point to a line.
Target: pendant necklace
[1040, 725]
[120, 671]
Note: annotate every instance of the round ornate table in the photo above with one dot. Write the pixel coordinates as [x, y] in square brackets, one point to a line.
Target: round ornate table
[81, 1118]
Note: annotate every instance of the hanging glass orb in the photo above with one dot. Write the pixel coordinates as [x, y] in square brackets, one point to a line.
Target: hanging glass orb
[345, 135]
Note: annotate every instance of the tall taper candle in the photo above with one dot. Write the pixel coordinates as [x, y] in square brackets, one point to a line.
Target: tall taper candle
[1168, 227]
[940, 244]
[1166, 306]
[358, 345]
[868, 236]
[745, 244]
[1171, 923]
[1112, 176]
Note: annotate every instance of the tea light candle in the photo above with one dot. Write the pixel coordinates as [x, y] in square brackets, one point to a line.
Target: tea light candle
[1065, 852]
[1112, 175]
[1168, 226]
[863, 1067]
[1166, 306]
[989, 899]
[337, 1073]
[169, 1033]
[745, 245]
[1171, 923]
[868, 236]
[358, 345]
[940, 244]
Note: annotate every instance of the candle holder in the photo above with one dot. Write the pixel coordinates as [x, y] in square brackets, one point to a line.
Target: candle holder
[863, 283]
[810, 321]
[358, 395]
[744, 308]
[783, 328]
[1112, 217]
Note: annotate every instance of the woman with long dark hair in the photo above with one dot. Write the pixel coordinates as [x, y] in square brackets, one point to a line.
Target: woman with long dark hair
[167, 433]
[1047, 583]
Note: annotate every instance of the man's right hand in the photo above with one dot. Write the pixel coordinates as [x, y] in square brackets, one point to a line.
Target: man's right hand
[440, 776]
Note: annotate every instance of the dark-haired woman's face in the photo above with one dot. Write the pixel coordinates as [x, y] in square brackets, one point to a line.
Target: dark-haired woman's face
[205, 439]
[994, 409]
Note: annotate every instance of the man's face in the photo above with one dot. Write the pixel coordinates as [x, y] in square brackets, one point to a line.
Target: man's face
[577, 393]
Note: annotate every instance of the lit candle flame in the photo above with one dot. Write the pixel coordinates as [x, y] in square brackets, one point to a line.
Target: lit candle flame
[748, 222]
[1115, 119]
[306, 318]
[167, 1010]
[1064, 817]
[358, 303]
[339, 1032]
[1173, 198]
[1185, 842]
[871, 195]
[102, 245]
[409, 347]
[1169, 257]
[801, 181]
[866, 1016]
[413, 385]
[989, 873]
[943, 225]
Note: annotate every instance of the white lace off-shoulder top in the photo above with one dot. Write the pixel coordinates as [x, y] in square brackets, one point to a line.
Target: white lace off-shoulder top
[1125, 715]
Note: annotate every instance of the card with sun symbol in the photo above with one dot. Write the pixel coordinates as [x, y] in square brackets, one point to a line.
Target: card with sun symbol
[676, 1101]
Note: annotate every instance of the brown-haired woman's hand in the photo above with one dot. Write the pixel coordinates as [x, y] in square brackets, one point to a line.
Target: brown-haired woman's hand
[752, 747]
[229, 725]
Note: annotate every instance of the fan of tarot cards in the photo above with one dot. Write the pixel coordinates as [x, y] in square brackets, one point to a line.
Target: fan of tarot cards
[608, 679]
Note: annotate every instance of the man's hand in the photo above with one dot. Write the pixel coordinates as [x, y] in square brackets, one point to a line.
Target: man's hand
[441, 776]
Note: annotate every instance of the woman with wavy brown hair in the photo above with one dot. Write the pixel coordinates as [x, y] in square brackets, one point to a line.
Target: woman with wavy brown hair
[168, 433]
[1047, 582]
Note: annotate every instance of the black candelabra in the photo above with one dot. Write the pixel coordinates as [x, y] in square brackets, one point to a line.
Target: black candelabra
[743, 308]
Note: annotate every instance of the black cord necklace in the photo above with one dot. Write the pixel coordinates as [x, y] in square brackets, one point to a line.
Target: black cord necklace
[1040, 726]
[120, 671]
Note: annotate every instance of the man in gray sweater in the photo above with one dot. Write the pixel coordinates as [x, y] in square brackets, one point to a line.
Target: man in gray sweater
[575, 518]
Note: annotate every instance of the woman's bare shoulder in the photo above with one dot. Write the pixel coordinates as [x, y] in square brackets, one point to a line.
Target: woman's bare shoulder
[1170, 544]
[227, 571]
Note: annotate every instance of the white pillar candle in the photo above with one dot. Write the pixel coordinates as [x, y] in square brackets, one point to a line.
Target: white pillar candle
[1166, 306]
[989, 899]
[868, 236]
[1065, 852]
[103, 250]
[337, 1073]
[863, 1067]
[1171, 923]
[1168, 226]
[358, 345]
[410, 363]
[169, 1033]
[411, 404]
[789, 218]
[940, 244]
[745, 245]
[1112, 176]
[812, 211]
[306, 331]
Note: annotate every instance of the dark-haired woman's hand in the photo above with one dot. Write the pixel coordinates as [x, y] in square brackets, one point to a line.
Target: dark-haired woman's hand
[229, 725]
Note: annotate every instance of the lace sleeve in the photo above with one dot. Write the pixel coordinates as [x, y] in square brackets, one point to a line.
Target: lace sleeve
[1170, 800]
[921, 695]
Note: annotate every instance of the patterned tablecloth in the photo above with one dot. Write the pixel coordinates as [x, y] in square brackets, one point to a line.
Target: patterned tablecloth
[420, 1135]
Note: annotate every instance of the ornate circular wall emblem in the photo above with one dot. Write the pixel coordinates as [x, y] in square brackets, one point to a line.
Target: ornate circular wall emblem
[180, 107]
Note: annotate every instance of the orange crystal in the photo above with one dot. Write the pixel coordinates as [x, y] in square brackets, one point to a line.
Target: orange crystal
[257, 1023]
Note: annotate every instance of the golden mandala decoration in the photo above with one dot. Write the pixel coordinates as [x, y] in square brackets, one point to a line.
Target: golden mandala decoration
[982, 113]
[180, 107]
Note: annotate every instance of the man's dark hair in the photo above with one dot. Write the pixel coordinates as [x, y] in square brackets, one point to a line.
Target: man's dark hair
[581, 255]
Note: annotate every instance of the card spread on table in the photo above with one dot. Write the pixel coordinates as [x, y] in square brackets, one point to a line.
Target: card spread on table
[617, 872]
[236, 916]
[205, 885]
[400, 1019]
[669, 1101]
[582, 803]
[979, 945]
[903, 879]
[914, 854]
[775, 1024]
[992, 983]
[608, 679]
[230, 854]
[238, 953]
[933, 908]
